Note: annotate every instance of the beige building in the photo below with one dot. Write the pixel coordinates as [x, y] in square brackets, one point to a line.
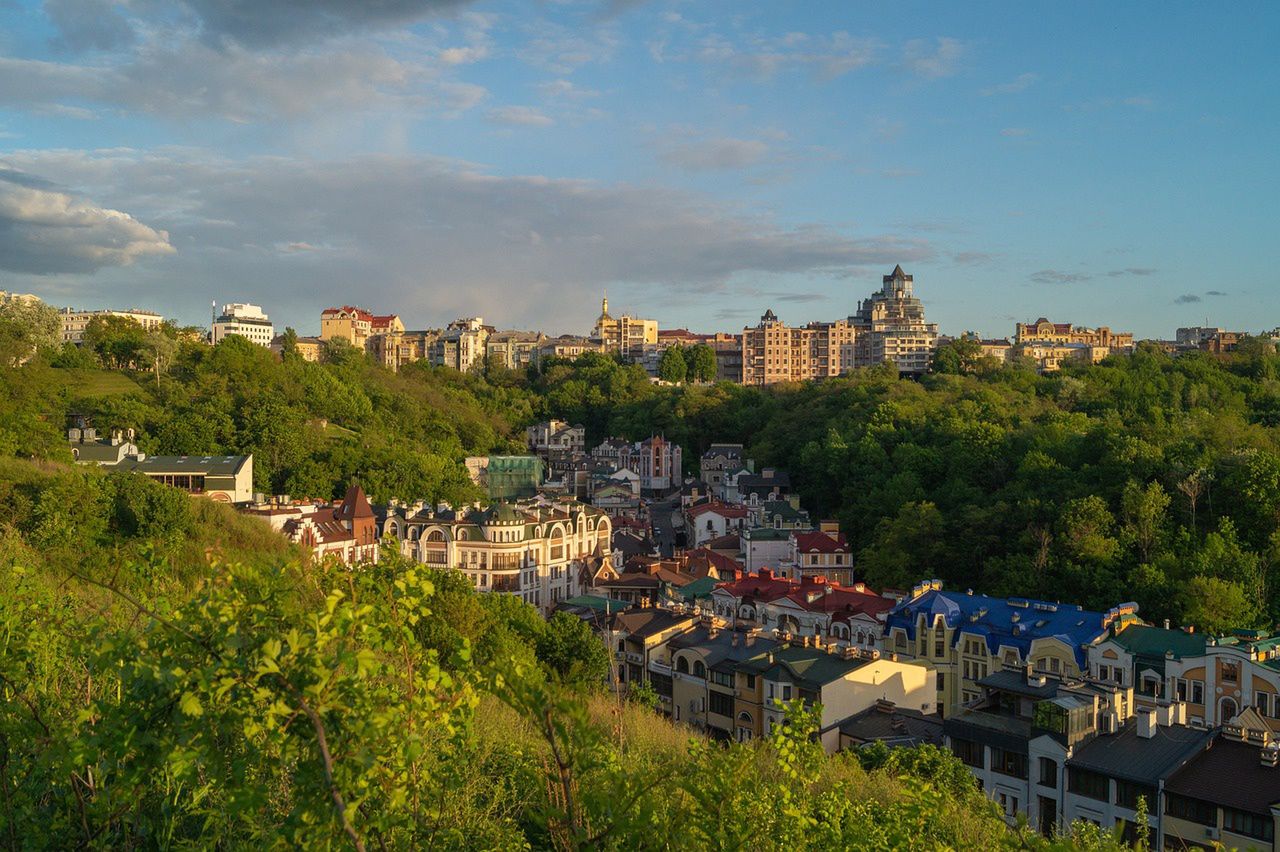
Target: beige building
[75, 322]
[462, 344]
[891, 327]
[568, 346]
[309, 348]
[395, 349]
[514, 350]
[243, 320]
[624, 334]
[541, 551]
[1042, 331]
[774, 352]
[348, 323]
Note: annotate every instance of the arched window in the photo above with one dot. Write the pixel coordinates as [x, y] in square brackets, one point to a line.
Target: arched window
[435, 535]
[744, 717]
[682, 665]
[699, 670]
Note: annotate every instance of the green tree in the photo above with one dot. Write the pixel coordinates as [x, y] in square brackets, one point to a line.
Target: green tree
[1216, 606]
[120, 342]
[959, 356]
[701, 363]
[26, 327]
[572, 652]
[1145, 516]
[672, 367]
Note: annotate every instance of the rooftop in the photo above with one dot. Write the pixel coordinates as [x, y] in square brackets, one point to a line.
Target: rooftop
[1146, 640]
[1145, 760]
[1229, 773]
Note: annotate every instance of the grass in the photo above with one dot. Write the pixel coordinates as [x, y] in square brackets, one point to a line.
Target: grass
[82, 383]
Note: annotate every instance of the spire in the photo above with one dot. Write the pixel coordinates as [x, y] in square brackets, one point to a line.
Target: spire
[897, 272]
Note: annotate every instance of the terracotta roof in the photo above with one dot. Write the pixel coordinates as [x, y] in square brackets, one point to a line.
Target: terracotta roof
[808, 542]
[723, 542]
[721, 509]
[699, 559]
[354, 505]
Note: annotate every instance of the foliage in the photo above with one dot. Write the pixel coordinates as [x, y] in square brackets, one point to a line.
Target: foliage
[673, 367]
[26, 327]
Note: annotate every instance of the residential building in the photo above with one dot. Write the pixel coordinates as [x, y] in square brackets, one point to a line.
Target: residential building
[823, 552]
[774, 352]
[894, 726]
[967, 636]
[754, 489]
[551, 437]
[728, 351]
[840, 615]
[637, 638]
[1223, 341]
[88, 448]
[764, 547]
[1044, 332]
[890, 327]
[1191, 337]
[346, 532]
[349, 323]
[19, 298]
[1229, 794]
[657, 460]
[515, 350]
[397, 348]
[719, 460]
[462, 344]
[567, 346]
[1000, 349]
[1050, 357]
[706, 521]
[703, 666]
[75, 322]
[309, 348]
[507, 477]
[843, 682]
[539, 550]
[243, 320]
[625, 334]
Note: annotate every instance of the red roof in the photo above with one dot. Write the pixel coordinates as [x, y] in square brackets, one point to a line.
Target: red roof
[724, 542]
[383, 321]
[761, 585]
[814, 594]
[821, 542]
[725, 566]
[360, 313]
[721, 509]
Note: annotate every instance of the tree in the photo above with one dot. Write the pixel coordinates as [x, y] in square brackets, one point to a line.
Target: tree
[672, 368]
[572, 652]
[120, 342]
[1216, 606]
[289, 343]
[1085, 530]
[959, 356]
[26, 327]
[1145, 516]
[701, 363]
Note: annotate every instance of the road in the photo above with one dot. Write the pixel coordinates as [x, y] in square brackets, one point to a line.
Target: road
[664, 514]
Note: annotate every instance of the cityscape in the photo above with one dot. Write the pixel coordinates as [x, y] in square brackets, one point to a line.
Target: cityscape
[639, 425]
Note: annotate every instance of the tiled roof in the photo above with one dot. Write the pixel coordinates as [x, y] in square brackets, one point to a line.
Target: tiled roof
[809, 667]
[1144, 760]
[808, 542]
[885, 722]
[1145, 640]
[646, 622]
[1014, 622]
[723, 542]
[721, 509]
[1229, 773]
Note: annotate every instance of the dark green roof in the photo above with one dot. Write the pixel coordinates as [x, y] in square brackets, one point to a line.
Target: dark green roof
[597, 603]
[699, 588]
[207, 465]
[1148, 641]
[767, 534]
[810, 667]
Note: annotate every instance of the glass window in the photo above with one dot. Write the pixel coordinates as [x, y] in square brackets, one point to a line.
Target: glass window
[1048, 772]
[1193, 810]
[1248, 824]
[969, 752]
[1090, 784]
[1128, 793]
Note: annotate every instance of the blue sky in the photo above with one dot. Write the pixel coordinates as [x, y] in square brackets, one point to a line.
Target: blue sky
[1095, 163]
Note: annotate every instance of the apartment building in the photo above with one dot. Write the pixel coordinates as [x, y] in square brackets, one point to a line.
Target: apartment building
[243, 320]
[823, 552]
[1042, 331]
[890, 327]
[967, 636]
[348, 323]
[551, 437]
[657, 461]
[541, 551]
[462, 344]
[346, 531]
[308, 348]
[775, 352]
[718, 462]
[515, 350]
[75, 322]
[625, 334]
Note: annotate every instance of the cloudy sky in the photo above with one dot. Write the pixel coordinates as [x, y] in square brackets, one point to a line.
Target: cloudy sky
[1108, 164]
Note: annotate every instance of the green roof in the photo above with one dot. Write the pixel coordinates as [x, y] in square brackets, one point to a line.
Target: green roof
[597, 603]
[811, 667]
[767, 534]
[699, 588]
[1145, 640]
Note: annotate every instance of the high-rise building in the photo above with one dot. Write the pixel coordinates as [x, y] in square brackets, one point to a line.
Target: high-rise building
[625, 334]
[775, 352]
[462, 344]
[890, 327]
[243, 320]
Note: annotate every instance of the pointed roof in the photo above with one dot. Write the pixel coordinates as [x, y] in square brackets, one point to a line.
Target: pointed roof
[354, 505]
[897, 272]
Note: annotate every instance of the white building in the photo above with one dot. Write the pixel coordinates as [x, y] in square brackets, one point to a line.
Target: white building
[244, 320]
[75, 322]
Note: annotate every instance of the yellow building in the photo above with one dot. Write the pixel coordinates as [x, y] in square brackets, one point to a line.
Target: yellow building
[625, 334]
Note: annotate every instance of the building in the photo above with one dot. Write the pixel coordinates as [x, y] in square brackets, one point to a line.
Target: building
[552, 437]
[890, 327]
[706, 521]
[764, 547]
[515, 350]
[75, 322]
[774, 352]
[308, 348]
[1228, 794]
[852, 616]
[1050, 357]
[541, 551]
[346, 532]
[394, 349]
[967, 637]
[894, 726]
[243, 320]
[507, 477]
[1192, 337]
[720, 460]
[703, 666]
[352, 324]
[749, 488]
[222, 479]
[1044, 332]
[462, 344]
[626, 335]
[567, 346]
[657, 461]
[728, 352]
[823, 552]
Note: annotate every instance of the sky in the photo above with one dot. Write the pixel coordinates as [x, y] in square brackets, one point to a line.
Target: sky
[699, 162]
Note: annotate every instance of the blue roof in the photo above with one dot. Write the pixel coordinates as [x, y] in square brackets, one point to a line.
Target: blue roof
[1013, 622]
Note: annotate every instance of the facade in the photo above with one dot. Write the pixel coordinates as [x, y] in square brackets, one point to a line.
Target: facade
[764, 547]
[309, 348]
[243, 320]
[707, 521]
[967, 637]
[222, 479]
[348, 323]
[891, 328]
[1050, 357]
[567, 346]
[515, 350]
[346, 532]
[1191, 337]
[728, 351]
[507, 477]
[75, 322]
[556, 436]
[823, 552]
[718, 461]
[626, 335]
[397, 348]
[462, 344]
[1064, 333]
[541, 551]
[657, 461]
[774, 352]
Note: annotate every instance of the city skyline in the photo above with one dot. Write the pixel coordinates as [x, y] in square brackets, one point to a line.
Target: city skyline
[700, 163]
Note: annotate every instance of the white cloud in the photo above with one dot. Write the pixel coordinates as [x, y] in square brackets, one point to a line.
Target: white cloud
[941, 57]
[524, 116]
[1015, 132]
[45, 231]
[709, 154]
[434, 239]
[1018, 84]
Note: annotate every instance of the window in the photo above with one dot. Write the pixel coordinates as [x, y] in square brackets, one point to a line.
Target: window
[1009, 804]
[1197, 692]
[940, 645]
[969, 752]
[751, 681]
[722, 678]
[900, 641]
[682, 665]
[1231, 672]
[1248, 824]
[1128, 793]
[1048, 772]
[1009, 763]
[1180, 689]
[1089, 784]
[721, 704]
[1193, 810]
[699, 670]
[942, 682]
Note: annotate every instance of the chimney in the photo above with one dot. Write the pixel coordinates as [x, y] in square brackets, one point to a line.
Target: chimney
[1166, 624]
[1146, 723]
[1270, 756]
